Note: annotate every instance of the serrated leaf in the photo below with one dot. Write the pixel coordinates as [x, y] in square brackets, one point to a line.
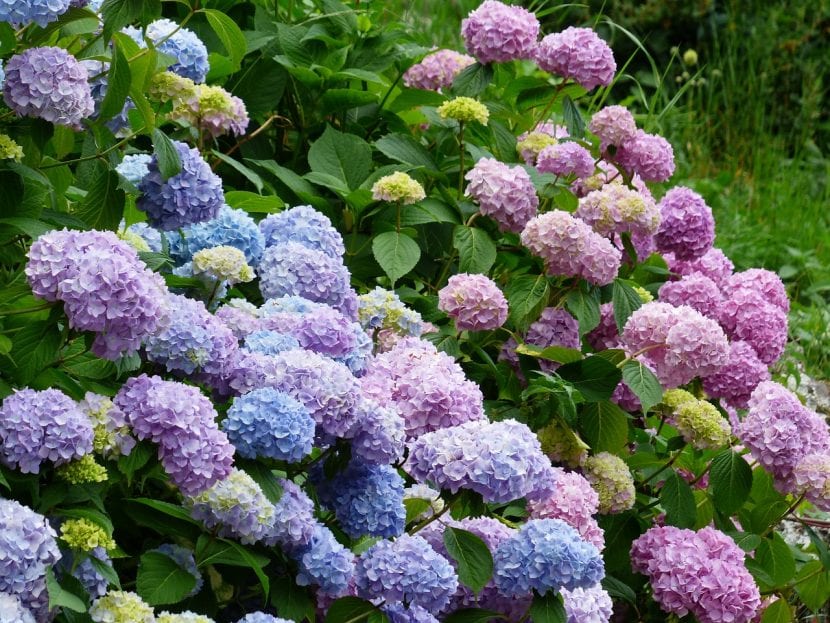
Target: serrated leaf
[253, 203]
[35, 346]
[573, 118]
[526, 295]
[604, 426]
[625, 302]
[161, 580]
[336, 100]
[396, 253]
[229, 34]
[643, 383]
[472, 80]
[548, 608]
[475, 562]
[813, 585]
[773, 555]
[678, 501]
[119, 80]
[619, 589]
[730, 481]
[584, 305]
[559, 354]
[778, 611]
[344, 156]
[168, 156]
[595, 377]
[351, 610]
[103, 206]
[415, 507]
[405, 149]
[60, 597]
[292, 602]
[476, 251]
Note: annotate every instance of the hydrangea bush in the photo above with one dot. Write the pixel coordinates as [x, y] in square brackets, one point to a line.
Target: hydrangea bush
[300, 321]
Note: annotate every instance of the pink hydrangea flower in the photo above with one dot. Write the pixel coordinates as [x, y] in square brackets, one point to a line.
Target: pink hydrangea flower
[765, 282]
[437, 70]
[474, 301]
[496, 32]
[504, 193]
[564, 159]
[695, 290]
[615, 208]
[739, 377]
[577, 54]
[688, 226]
[613, 125]
[713, 264]
[812, 476]
[649, 155]
[746, 315]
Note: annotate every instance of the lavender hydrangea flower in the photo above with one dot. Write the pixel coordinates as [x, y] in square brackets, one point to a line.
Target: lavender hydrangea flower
[687, 228]
[554, 327]
[267, 423]
[613, 125]
[713, 264]
[564, 159]
[474, 301]
[306, 226]
[764, 282]
[150, 236]
[38, 426]
[27, 549]
[50, 84]
[502, 461]
[185, 559]
[695, 290]
[324, 562]
[588, 605]
[748, 316]
[326, 331]
[428, 388]
[496, 32]
[294, 524]
[504, 193]
[812, 476]
[570, 247]
[437, 70]
[240, 316]
[379, 434]
[531, 143]
[738, 377]
[269, 342]
[605, 335]
[615, 208]
[398, 613]
[648, 155]
[191, 196]
[182, 44]
[294, 269]
[574, 501]
[406, 569]
[261, 617]
[546, 555]
[230, 227]
[11, 609]
[577, 54]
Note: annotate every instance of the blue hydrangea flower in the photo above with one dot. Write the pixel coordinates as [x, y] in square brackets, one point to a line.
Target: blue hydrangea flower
[191, 196]
[399, 613]
[358, 358]
[379, 434]
[25, 12]
[324, 562]
[268, 423]
[11, 609]
[306, 226]
[270, 342]
[288, 304]
[133, 168]
[406, 569]
[2, 75]
[186, 560]
[148, 234]
[261, 617]
[368, 500]
[546, 555]
[230, 228]
[182, 44]
[294, 524]
[98, 84]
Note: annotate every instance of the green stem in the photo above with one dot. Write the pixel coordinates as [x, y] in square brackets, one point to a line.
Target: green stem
[460, 159]
[789, 510]
[27, 310]
[547, 109]
[101, 154]
[662, 469]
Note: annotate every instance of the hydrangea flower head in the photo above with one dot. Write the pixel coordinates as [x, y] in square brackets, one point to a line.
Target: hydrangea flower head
[11, 609]
[613, 482]
[713, 264]
[398, 187]
[812, 476]
[738, 377]
[48, 83]
[564, 159]
[326, 331]
[230, 227]
[687, 228]
[167, 86]
[269, 342]
[613, 125]
[182, 617]
[702, 425]
[437, 70]
[111, 435]
[475, 302]
[648, 155]
[505, 194]
[182, 44]
[213, 109]
[577, 54]
[616, 209]
[223, 264]
[530, 144]
[574, 501]
[383, 309]
[588, 605]
[748, 316]
[554, 327]
[324, 562]
[305, 225]
[561, 444]
[191, 196]
[546, 555]
[25, 12]
[406, 569]
[294, 524]
[464, 110]
[379, 434]
[85, 535]
[762, 281]
[9, 149]
[695, 290]
[261, 617]
[121, 607]
[496, 32]
[85, 470]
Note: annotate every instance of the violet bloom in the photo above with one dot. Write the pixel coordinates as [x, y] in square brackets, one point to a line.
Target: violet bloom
[474, 302]
[505, 194]
[577, 54]
[496, 32]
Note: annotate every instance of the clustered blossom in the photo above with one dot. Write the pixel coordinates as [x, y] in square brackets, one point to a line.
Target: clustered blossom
[11, 609]
[613, 482]
[748, 316]
[700, 424]
[304, 225]
[261, 617]
[562, 444]
[428, 388]
[648, 155]
[546, 555]
[398, 187]
[531, 143]
[271, 424]
[50, 84]
[111, 435]
[812, 476]
[326, 331]
[571, 248]
[588, 605]
[190, 54]
[182, 617]
[193, 195]
[269, 342]
[437, 70]
[192, 449]
[502, 461]
[496, 32]
[505, 194]
[27, 549]
[25, 12]
[474, 302]
[406, 569]
[687, 228]
[577, 54]
[236, 506]
[554, 327]
[713, 264]
[150, 236]
[760, 281]
[738, 377]
[9, 149]
[613, 125]
[230, 227]
[223, 263]
[85, 535]
[381, 309]
[464, 110]
[699, 572]
[39, 426]
[121, 607]
[564, 159]
[294, 523]
[324, 562]
[574, 501]
[695, 290]
[616, 209]
[213, 109]
[84, 470]
[379, 434]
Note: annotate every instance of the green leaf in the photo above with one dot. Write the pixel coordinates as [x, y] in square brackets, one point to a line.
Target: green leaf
[573, 118]
[229, 34]
[526, 295]
[584, 305]
[396, 253]
[405, 149]
[212, 551]
[473, 615]
[120, 13]
[774, 557]
[351, 610]
[103, 206]
[730, 481]
[813, 585]
[168, 156]
[678, 501]
[119, 80]
[161, 580]
[625, 302]
[643, 383]
[106, 571]
[476, 251]
[472, 80]
[25, 191]
[60, 597]
[415, 507]
[427, 211]
[344, 156]
[619, 590]
[253, 563]
[336, 100]
[595, 377]
[291, 601]
[475, 562]
[548, 608]
[604, 426]
[136, 459]
[36, 345]
[559, 354]
[167, 508]
[253, 203]
[778, 611]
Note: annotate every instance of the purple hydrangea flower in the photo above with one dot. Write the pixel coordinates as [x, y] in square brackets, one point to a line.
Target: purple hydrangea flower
[648, 155]
[812, 476]
[570, 247]
[713, 264]
[185, 559]
[764, 282]
[613, 125]
[261, 617]
[555, 327]
[324, 562]
[738, 377]
[270, 342]
[239, 316]
[406, 569]
[398, 613]
[564, 159]
[94, 583]
[379, 435]
[427, 387]
[474, 301]
[746, 315]
[25, 12]
[577, 54]
[98, 75]
[38, 426]
[11, 609]
[182, 44]
[27, 549]
[294, 524]
[615, 208]
[496, 32]
[230, 228]
[546, 555]
[294, 269]
[588, 605]
[529, 144]
[326, 331]
[688, 227]
[695, 290]
[573, 500]
[303, 225]
[50, 84]
[605, 336]
[437, 70]
[504, 193]
[267, 423]
[246, 371]
[503, 461]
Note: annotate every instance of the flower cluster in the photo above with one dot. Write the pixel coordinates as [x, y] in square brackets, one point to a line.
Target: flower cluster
[574, 501]
[564, 159]
[613, 482]
[616, 209]
[223, 263]
[496, 32]
[505, 194]
[25, 12]
[190, 54]
[464, 110]
[230, 228]
[577, 54]
[474, 302]
[398, 187]
[121, 607]
[212, 109]
[304, 225]
[437, 70]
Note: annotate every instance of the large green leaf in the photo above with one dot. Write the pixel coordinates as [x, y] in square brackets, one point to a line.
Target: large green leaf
[119, 80]
[584, 305]
[778, 611]
[476, 250]
[595, 377]
[548, 608]
[229, 34]
[161, 580]
[59, 597]
[353, 610]
[167, 155]
[678, 501]
[35, 346]
[473, 79]
[643, 383]
[625, 302]
[774, 558]
[730, 481]
[396, 253]
[103, 206]
[604, 426]
[405, 149]
[813, 585]
[344, 156]
[526, 295]
[475, 562]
